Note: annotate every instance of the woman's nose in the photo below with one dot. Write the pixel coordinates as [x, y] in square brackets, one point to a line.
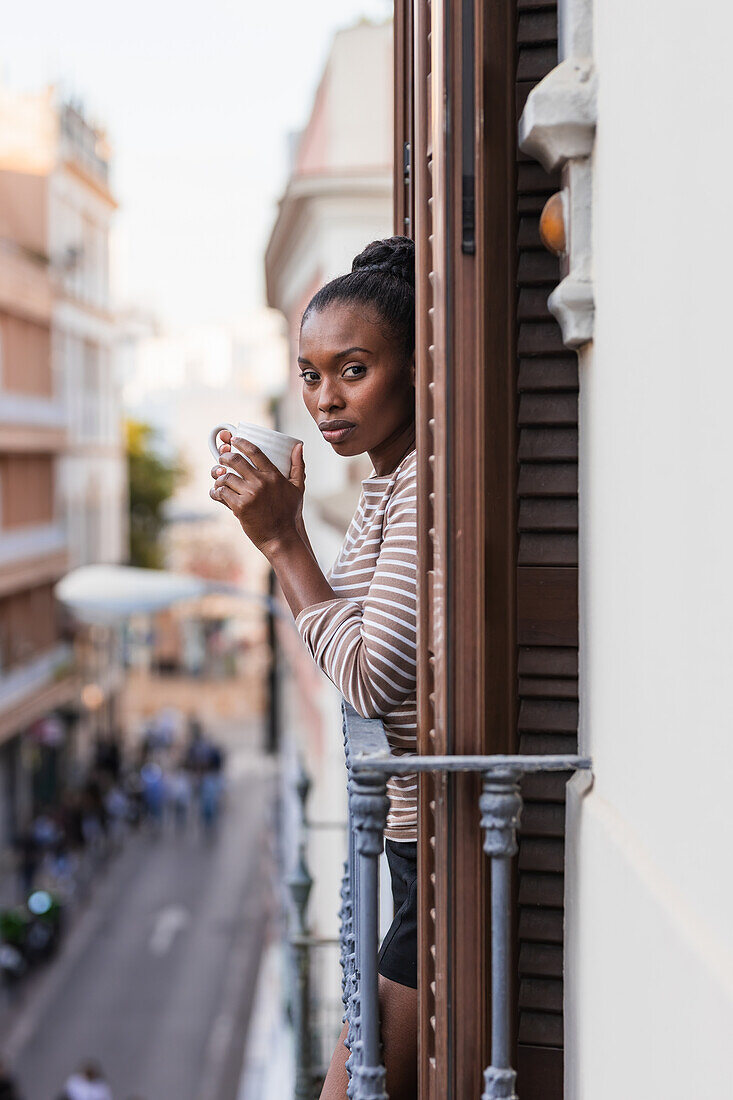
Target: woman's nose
[329, 397]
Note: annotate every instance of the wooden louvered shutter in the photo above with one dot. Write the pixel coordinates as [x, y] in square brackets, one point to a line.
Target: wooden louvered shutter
[497, 515]
[547, 590]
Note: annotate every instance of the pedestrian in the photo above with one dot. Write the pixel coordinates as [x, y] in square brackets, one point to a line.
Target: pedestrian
[29, 860]
[153, 794]
[357, 358]
[87, 1083]
[8, 1086]
[179, 796]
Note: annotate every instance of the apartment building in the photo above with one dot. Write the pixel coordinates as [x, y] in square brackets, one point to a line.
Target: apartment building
[62, 484]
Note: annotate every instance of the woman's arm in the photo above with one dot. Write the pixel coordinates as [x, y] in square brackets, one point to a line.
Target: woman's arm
[368, 648]
[299, 574]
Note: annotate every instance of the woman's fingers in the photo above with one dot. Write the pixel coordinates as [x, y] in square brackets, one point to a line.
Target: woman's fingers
[238, 463]
[230, 480]
[259, 458]
[226, 495]
[297, 467]
[217, 471]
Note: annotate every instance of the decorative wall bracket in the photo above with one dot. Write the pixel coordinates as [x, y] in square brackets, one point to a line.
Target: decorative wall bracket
[558, 128]
[559, 119]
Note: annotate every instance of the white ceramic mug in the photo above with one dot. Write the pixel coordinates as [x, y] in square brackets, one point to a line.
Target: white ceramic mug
[275, 445]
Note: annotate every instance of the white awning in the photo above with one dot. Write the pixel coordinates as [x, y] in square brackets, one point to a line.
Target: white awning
[106, 593]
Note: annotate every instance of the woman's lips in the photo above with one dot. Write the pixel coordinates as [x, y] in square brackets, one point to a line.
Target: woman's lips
[338, 432]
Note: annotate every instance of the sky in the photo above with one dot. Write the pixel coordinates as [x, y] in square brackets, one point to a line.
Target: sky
[198, 100]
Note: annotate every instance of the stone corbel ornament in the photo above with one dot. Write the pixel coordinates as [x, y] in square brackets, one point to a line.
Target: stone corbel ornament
[558, 128]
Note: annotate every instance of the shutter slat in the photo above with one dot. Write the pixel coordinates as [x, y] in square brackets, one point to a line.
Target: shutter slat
[528, 235]
[537, 269]
[550, 787]
[531, 204]
[534, 5]
[538, 889]
[558, 373]
[533, 744]
[548, 480]
[548, 549]
[536, 338]
[548, 409]
[541, 925]
[543, 688]
[544, 994]
[542, 1029]
[537, 27]
[532, 179]
[548, 445]
[548, 661]
[540, 960]
[548, 715]
[543, 819]
[548, 515]
[533, 306]
[534, 63]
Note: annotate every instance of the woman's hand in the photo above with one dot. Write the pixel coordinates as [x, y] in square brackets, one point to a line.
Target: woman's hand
[268, 505]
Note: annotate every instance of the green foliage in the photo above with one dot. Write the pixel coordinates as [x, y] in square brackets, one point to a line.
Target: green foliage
[152, 482]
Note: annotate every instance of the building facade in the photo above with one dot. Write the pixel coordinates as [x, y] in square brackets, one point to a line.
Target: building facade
[63, 495]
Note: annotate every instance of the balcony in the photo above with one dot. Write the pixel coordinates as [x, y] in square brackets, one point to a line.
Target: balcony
[25, 287]
[32, 555]
[33, 688]
[31, 423]
[81, 143]
[369, 764]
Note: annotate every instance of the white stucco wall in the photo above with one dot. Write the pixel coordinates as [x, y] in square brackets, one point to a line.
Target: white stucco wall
[649, 990]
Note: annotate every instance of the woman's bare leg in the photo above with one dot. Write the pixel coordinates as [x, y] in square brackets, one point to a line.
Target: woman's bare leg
[398, 1006]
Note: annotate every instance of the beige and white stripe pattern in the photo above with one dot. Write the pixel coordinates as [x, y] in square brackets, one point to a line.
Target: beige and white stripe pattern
[365, 638]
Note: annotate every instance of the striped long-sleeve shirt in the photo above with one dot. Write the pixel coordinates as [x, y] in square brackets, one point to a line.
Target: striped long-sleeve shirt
[365, 638]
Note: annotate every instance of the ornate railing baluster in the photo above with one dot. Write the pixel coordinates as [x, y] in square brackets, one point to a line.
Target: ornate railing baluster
[300, 884]
[501, 808]
[369, 812]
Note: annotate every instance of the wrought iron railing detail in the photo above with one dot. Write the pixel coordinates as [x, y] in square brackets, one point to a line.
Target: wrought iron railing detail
[369, 764]
[310, 1069]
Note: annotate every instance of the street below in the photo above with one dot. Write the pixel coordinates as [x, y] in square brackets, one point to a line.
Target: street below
[157, 975]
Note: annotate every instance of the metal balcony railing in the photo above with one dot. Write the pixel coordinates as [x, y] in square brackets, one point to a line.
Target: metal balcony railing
[369, 764]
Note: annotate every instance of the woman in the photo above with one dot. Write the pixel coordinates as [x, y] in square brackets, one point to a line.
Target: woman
[357, 360]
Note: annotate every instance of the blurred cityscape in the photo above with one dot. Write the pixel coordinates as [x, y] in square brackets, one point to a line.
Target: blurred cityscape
[154, 737]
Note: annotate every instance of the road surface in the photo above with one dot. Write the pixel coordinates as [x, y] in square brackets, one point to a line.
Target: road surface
[157, 976]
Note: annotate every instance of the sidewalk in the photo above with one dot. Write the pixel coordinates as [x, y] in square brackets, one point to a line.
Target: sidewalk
[268, 1071]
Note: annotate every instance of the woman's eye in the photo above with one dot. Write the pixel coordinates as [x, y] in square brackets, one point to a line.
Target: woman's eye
[357, 368]
[309, 376]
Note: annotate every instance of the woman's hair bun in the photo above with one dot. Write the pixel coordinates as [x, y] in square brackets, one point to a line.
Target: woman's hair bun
[392, 256]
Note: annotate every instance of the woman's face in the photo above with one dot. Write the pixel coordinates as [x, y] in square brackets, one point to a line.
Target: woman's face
[357, 385]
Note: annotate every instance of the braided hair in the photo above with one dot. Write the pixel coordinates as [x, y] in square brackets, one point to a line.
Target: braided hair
[383, 276]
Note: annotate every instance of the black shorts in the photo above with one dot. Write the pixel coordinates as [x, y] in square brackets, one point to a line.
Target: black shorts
[398, 953]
